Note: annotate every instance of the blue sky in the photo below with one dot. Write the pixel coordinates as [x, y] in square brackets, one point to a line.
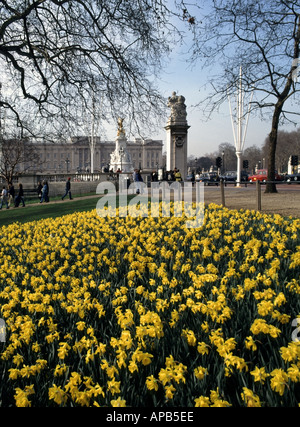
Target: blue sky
[205, 135]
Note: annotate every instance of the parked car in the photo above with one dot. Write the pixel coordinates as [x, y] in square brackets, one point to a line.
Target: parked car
[209, 178]
[294, 177]
[231, 176]
[262, 176]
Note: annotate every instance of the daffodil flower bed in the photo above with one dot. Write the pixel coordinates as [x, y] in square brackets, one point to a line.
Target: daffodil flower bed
[141, 311]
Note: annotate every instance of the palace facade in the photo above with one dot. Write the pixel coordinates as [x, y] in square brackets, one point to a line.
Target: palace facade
[75, 155]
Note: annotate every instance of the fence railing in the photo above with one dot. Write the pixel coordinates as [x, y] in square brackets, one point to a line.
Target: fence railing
[258, 185]
[245, 183]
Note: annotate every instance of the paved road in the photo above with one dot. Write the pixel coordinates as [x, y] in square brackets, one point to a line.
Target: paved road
[285, 202]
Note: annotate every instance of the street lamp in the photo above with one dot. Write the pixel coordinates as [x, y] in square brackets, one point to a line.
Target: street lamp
[223, 161]
[67, 161]
[121, 154]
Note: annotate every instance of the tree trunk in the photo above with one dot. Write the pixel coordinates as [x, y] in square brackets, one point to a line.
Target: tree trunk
[271, 186]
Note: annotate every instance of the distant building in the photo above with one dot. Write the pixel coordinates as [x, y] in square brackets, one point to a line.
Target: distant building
[75, 155]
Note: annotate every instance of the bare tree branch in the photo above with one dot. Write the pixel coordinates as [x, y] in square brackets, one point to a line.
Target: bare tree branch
[263, 38]
[17, 156]
[51, 51]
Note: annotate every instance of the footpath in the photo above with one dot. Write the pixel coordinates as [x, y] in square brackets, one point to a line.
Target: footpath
[285, 202]
[58, 201]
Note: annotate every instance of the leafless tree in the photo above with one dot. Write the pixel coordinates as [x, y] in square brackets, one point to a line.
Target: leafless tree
[263, 38]
[255, 157]
[56, 53]
[17, 156]
[288, 144]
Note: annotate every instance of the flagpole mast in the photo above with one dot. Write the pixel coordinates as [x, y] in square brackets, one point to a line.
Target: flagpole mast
[92, 142]
[237, 125]
[240, 129]
[1, 128]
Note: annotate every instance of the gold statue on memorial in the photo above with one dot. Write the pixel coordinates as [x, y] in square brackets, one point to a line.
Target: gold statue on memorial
[121, 130]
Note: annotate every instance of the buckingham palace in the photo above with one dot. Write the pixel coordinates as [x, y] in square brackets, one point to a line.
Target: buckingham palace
[75, 155]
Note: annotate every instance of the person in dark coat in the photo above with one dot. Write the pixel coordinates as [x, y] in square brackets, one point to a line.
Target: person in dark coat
[45, 192]
[11, 193]
[154, 176]
[138, 179]
[39, 189]
[68, 189]
[20, 196]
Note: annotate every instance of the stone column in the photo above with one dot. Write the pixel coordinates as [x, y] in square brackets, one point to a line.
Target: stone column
[177, 135]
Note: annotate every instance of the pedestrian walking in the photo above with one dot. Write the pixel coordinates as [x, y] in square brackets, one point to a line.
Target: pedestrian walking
[68, 189]
[138, 179]
[193, 178]
[4, 198]
[11, 193]
[20, 197]
[39, 190]
[45, 192]
[154, 176]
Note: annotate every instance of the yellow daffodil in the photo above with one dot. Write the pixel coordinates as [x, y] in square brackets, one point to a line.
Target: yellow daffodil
[113, 386]
[279, 381]
[259, 374]
[202, 402]
[21, 396]
[120, 403]
[250, 398]
[57, 394]
[89, 305]
[152, 383]
[200, 372]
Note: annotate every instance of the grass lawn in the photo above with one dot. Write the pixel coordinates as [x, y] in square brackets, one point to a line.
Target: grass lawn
[48, 210]
[45, 210]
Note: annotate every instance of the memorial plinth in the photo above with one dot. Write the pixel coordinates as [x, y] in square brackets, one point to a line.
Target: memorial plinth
[120, 159]
[177, 135]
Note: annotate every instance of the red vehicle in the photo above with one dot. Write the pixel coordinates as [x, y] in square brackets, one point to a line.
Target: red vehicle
[262, 176]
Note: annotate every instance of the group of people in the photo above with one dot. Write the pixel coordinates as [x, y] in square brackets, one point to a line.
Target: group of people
[43, 191]
[173, 175]
[9, 196]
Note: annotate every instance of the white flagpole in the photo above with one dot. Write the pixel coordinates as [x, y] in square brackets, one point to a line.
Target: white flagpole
[238, 134]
